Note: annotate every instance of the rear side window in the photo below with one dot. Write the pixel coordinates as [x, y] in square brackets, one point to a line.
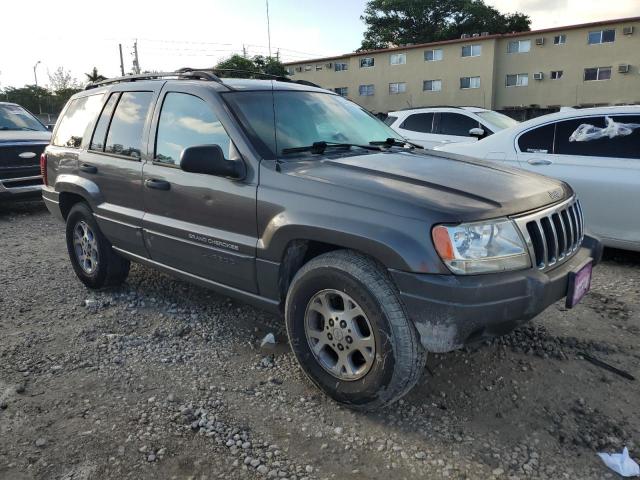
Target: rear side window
[97, 142]
[75, 124]
[456, 124]
[127, 125]
[538, 140]
[418, 122]
[617, 137]
[185, 121]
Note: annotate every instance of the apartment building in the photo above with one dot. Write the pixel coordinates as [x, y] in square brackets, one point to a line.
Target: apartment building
[578, 65]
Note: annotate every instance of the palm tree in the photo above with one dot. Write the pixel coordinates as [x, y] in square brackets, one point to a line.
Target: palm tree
[94, 76]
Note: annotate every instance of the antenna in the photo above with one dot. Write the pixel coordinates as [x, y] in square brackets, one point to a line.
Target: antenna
[268, 28]
[136, 61]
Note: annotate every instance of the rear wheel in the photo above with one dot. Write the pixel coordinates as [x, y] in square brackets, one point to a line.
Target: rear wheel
[350, 332]
[91, 254]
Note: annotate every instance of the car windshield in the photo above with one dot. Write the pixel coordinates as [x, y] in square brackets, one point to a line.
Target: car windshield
[14, 117]
[305, 118]
[498, 119]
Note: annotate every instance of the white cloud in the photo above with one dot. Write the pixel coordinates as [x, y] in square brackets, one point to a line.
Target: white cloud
[553, 13]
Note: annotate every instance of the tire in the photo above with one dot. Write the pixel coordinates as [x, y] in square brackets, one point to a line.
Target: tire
[103, 267]
[346, 277]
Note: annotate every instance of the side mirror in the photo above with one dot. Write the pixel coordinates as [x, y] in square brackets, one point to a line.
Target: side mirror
[477, 132]
[209, 159]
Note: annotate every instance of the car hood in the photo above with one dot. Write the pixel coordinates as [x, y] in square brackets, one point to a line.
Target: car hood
[465, 188]
[11, 136]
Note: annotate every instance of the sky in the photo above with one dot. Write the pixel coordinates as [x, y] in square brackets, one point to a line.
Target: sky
[79, 35]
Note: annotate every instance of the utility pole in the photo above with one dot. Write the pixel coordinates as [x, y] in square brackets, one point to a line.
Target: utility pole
[35, 73]
[121, 61]
[244, 51]
[136, 61]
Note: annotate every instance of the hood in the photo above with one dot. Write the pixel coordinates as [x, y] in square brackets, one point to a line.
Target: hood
[464, 188]
[11, 136]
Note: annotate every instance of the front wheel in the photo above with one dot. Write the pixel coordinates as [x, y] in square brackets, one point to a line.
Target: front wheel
[350, 332]
[91, 255]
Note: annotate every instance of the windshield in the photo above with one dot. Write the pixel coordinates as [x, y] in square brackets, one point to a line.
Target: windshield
[304, 118]
[14, 117]
[498, 119]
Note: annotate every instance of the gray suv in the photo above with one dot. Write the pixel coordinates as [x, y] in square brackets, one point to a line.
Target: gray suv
[298, 201]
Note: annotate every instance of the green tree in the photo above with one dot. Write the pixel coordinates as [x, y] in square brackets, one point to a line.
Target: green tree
[61, 80]
[254, 66]
[236, 62]
[94, 76]
[399, 22]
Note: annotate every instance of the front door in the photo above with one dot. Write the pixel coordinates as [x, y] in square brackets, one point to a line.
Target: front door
[200, 224]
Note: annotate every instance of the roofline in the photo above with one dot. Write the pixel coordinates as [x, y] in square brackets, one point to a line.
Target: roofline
[467, 40]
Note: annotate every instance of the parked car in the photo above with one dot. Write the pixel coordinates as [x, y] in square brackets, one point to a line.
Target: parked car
[296, 200]
[22, 140]
[596, 150]
[434, 126]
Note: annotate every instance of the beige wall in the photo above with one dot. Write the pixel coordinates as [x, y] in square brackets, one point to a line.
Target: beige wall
[492, 67]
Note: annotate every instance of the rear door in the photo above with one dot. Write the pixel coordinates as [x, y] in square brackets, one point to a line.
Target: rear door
[113, 162]
[418, 128]
[453, 127]
[197, 223]
[603, 168]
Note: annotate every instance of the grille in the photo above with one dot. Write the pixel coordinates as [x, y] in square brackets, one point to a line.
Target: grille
[553, 235]
[10, 154]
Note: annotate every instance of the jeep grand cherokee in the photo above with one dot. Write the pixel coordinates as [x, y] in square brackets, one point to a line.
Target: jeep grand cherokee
[298, 201]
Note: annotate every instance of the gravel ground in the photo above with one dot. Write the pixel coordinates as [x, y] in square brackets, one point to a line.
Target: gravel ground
[165, 380]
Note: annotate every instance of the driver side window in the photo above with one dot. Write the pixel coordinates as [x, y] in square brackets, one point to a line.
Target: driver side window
[186, 120]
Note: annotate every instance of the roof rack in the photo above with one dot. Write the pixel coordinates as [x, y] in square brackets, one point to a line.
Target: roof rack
[207, 74]
[183, 73]
[270, 76]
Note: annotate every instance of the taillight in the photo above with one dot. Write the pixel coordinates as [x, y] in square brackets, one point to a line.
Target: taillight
[43, 168]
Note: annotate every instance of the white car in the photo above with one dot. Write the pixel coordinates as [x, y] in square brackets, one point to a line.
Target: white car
[595, 150]
[434, 126]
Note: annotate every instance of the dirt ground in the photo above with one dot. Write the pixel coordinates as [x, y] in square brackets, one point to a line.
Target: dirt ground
[160, 379]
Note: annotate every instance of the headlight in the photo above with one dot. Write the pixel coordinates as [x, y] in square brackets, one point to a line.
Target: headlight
[483, 247]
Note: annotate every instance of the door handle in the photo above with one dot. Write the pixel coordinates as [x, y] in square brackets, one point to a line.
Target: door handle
[85, 167]
[539, 161]
[157, 184]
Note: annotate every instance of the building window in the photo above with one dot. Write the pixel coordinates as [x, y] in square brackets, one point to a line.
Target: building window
[556, 74]
[318, 67]
[518, 80]
[433, 55]
[307, 68]
[398, 58]
[290, 70]
[432, 85]
[341, 67]
[471, 50]
[342, 91]
[599, 73]
[397, 87]
[469, 82]
[366, 90]
[367, 62]
[602, 36]
[560, 39]
[519, 46]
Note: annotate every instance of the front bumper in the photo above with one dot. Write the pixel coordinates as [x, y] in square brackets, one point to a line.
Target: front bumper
[20, 187]
[450, 311]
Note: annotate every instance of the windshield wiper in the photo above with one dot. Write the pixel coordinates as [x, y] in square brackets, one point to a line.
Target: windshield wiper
[394, 142]
[318, 148]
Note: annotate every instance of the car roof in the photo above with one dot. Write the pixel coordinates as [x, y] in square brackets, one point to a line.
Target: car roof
[579, 112]
[442, 108]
